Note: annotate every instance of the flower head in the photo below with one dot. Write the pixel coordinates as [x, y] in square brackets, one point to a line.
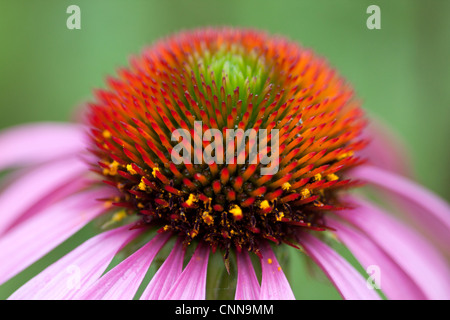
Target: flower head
[229, 141]
[238, 82]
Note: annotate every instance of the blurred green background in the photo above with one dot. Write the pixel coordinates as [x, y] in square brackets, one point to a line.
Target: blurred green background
[401, 72]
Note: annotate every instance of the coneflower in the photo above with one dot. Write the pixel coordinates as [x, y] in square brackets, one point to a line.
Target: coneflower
[233, 143]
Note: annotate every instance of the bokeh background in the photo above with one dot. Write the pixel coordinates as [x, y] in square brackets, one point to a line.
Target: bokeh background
[401, 72]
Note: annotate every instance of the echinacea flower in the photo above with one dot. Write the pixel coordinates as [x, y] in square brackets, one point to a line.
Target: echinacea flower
[147, 163]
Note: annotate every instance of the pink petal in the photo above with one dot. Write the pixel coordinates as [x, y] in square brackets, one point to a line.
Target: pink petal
[350, 284]
[394, 283]
[166, 275]
[274, 285]
[247, 287]
[430, 227]
[191, 284]
[39, 142]
[40, 234]
[76, 271]
[37, 188]
[123, 281]
[385, 149]
[408, 249]
[434, 210]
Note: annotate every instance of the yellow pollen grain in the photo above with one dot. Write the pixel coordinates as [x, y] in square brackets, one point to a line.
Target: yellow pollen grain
[130, 169]
[192, 198]
[280, 216]
[112, 170]
[106, 134]
[332, 177]
[209, 220]
[154, 171]
[318, 177]
[279, 268]
[318, 204]
[286, 186]
[264, 204]
[142, 185]
[345, 155]
[236, 211]
[208, 202]
[108, 204]
[305, 193]
[113, 167]
[269, 261]
[193, 233]
[119, 216]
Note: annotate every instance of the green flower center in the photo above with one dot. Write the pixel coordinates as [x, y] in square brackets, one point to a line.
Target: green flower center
[231, 68]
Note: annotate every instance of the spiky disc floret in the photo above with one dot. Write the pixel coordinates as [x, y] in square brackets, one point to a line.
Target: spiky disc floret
[235, 79]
